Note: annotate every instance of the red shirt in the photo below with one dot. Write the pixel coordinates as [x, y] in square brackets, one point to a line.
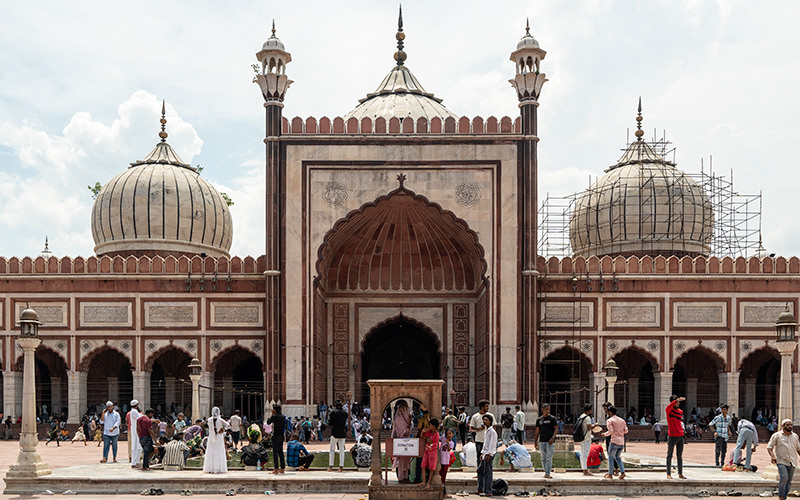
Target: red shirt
[143, 425]
[432, 442]
[593, 460]
[674, 420]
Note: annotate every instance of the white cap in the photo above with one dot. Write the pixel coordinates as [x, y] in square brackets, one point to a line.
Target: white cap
[134, 402]
[109, 403]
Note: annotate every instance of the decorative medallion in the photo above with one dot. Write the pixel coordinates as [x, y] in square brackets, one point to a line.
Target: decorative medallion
[546, 346]
[586, 345]
[747, 346]
[86, 346]
[191, 345]
[125, 345]
[256, 345]
[720, 345]
[680, 346]
[468, 194]
[216, 345]
[613, 346]
[151, 346]
[335, 194]
[61, 345]
[653, 345]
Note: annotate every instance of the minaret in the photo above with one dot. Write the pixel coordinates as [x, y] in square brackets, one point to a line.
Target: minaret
[273, 83]
[528, 83]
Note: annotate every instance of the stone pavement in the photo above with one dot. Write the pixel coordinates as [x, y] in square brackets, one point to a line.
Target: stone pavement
[640, 483]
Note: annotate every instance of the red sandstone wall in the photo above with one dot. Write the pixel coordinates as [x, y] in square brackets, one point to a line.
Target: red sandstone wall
[668, 265]
[132, 265]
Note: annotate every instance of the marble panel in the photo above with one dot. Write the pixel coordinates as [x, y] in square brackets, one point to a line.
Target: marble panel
[700, 314]
[170, 314]
[633, 314]
[106, 314]
[761, 314]
[236, 314]
[51, 314]
[567, 314]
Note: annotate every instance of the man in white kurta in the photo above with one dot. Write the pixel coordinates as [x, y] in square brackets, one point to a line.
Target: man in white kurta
[133, 436]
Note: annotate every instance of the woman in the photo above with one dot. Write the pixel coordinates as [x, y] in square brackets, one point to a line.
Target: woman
[278, 423]
[401, 428]
[216, 461]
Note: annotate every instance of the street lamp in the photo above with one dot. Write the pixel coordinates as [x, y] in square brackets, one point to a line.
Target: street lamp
[786, 342]
[611, 378]
[29, 463]
[194, 374]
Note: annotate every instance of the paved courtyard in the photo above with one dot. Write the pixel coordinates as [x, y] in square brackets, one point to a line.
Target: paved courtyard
[69, 455]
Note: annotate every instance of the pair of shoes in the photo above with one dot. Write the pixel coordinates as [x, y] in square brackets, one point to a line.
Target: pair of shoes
[69, 492]
[103, 460]
[794, 493]
[703, 493]
[47, 492]
[765, 494]
[229, 493]
[186, 493]
[729, 493]
[522, 494]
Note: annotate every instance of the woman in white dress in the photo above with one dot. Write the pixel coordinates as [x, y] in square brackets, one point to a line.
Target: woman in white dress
[216, 461]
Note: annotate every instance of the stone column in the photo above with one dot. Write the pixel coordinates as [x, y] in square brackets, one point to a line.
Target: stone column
[786, 348]
[575, 397]
[55, 396]
[227, 395]
[691, 393]
[206, 395]
[12, 394]
[796, 394]
[169, 392]
[113, 392]
[749, 397]
[76, 387]
[141, 389]
[633, 398]
[663, 390]
[597, 383]
[29, 463]
[729, 391]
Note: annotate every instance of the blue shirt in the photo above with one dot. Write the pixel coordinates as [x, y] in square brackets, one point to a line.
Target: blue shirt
[720, 424]
[518, 455]
[293, 450]
[110, 421]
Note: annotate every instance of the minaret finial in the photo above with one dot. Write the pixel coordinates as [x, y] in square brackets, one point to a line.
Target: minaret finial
[400, 56]
[45, 243]
[639, 132]
[527, 26]
[163, 133]
[273, 27]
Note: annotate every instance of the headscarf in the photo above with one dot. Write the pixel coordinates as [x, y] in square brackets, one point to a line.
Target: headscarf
[215, 415]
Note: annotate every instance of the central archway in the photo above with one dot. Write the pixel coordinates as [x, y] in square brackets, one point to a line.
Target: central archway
[399, 348]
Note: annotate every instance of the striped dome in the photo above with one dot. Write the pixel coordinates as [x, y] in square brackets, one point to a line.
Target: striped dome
[161, 206]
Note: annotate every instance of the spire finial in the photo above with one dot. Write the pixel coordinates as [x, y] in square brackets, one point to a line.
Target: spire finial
[273, 27]
[639, 132]
[400, 56]
[163, 133]
[45, 243]
[401, 178]
[527, 26]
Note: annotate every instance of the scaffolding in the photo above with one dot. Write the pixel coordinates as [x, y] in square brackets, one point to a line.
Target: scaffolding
[634, 221]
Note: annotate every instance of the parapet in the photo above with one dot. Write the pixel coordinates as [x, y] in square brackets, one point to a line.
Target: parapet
[620, 265]
[169, 265]
[406, 126]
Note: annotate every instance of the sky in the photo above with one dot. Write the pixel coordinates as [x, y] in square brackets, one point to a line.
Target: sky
[82, 82]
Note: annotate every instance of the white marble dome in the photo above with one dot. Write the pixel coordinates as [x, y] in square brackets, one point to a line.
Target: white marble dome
[161, 206]
[644, 205]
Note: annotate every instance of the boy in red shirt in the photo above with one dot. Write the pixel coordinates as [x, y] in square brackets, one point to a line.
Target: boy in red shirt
[430, 456]
[675, 434]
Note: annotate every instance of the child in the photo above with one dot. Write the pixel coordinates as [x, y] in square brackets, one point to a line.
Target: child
[447, 444]
[430, 457]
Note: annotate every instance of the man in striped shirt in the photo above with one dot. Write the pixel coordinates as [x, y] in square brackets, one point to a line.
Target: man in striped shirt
[721, 424]
[176, 452]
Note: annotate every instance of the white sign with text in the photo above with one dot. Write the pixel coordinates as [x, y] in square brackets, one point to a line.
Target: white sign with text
[405, 447]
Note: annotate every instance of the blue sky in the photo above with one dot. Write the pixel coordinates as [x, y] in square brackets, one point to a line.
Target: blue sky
[82, 82]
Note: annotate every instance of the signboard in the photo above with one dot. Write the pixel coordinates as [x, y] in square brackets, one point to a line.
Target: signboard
[404, 447]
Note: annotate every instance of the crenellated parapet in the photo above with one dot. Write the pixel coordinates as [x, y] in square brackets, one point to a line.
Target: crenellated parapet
[621, 265]
[95, 265]
[421, 126]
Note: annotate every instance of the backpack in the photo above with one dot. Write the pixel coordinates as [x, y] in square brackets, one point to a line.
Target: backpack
[499, 487]
[578, 432]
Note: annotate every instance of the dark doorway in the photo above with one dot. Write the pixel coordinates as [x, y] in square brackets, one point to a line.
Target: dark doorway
[400, 349]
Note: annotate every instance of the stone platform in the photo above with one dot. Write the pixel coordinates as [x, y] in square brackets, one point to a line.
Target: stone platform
[121, 479]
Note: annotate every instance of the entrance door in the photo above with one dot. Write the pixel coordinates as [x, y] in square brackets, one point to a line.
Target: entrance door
[399, 350]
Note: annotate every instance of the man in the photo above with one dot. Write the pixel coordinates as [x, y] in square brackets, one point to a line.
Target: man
[362, 453]
[783, 449]
[596, 455]
[675, 434]
[133, 436]
[450, 422]
[236, 428]
[617, 428]
[721, 423]
[338, 423]
[748, 438]
[517, 456]
[144, 429]
[657, 431]
[297, 455]
[585, 422]
[176, 452]
[507, 422]
[111, 422]
[486, 455]
[519, 424]
[477, 425]
[463, 423]
[544, 438]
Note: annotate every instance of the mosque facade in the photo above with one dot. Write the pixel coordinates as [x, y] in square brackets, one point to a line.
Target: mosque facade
[400, 243]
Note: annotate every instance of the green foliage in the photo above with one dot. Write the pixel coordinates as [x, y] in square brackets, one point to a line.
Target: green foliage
[95, 189]
[227, 199]
[198, 168]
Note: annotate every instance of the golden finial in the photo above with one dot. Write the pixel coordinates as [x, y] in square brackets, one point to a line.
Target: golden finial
[639, 132]
[400, 56]
[163, 133]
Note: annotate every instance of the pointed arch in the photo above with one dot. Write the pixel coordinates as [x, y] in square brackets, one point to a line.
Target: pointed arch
[87, 360]
[148, 364]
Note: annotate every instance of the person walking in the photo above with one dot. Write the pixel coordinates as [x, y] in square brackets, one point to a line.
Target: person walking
[111, 422]
[507, 422]
[748, 439]
[584, 423]
[544, 438]
[617, 428]
[783, 448]
[338, 422]
[675, 434]
[519, 424]
[278, 423]
[463, 423]
[657, 431]
[489, 448]
[721, 425]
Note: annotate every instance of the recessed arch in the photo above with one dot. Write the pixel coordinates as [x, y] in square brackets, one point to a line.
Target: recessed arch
[564, 380]
[148, 365]
[87, 360]
[239, 382]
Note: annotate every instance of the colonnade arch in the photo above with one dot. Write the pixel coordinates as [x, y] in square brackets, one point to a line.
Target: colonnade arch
[696, 374]
[635, 391]
[167, 366]
[565, 381]
[759, 377]
[51, 381]
[109, 378]
[238, 382]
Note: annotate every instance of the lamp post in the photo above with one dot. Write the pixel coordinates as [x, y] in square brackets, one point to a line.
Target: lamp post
[29, 463]
[785, 328]
[611, 378]
[194, 375]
